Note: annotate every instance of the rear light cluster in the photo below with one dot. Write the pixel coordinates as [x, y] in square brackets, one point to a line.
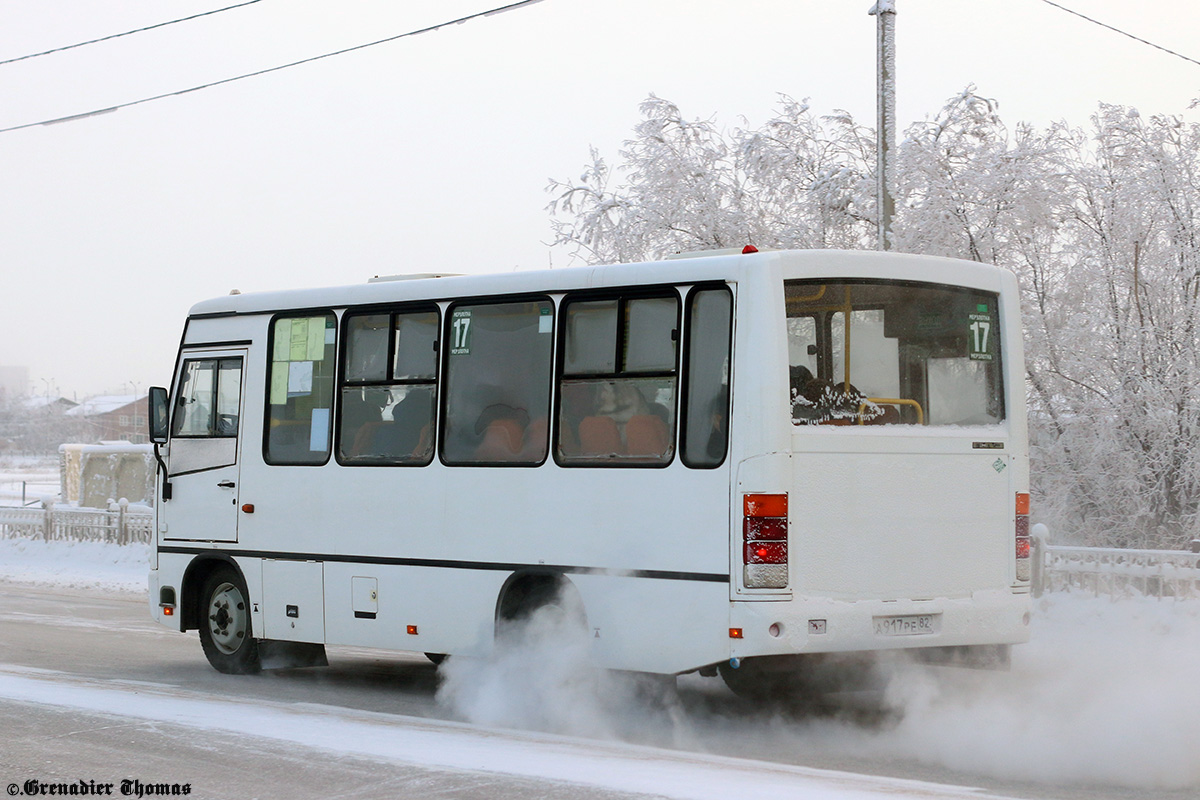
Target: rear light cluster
[1022, 534]
[765, 541]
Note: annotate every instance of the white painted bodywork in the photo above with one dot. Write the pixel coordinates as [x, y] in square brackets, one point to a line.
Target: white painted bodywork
[886, 521]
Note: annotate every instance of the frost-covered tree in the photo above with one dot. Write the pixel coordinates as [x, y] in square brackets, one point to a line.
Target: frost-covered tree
[799, 181]
[1115, 363]
[1099, 225]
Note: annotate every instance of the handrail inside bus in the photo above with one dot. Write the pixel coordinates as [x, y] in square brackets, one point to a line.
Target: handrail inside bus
[810, 298]
[896, 401]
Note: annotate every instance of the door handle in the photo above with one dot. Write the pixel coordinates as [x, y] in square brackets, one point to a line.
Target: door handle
[226, 484]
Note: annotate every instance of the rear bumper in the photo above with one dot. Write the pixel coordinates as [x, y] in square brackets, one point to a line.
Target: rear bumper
[823, 625]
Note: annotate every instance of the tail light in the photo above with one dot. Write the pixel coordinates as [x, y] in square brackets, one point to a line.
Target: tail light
[765, 541]
[1022, 537]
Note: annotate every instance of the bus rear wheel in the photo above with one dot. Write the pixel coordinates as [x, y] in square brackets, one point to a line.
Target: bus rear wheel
[225, 632]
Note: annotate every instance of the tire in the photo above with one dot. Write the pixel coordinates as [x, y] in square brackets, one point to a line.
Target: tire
[225, 632]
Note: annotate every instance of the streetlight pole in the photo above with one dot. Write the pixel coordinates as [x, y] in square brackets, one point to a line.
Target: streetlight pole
[884, 12]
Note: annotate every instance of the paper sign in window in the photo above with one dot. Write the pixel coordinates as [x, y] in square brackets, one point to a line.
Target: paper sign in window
[319, 433]
[279, 383]
[300, 378]
[298, 351]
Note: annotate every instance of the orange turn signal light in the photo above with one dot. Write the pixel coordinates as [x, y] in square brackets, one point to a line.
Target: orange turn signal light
[412, 630]
[1022, 502]
[764, 505]
[735, 633]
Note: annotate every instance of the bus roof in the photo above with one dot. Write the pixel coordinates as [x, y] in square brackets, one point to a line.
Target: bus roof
[722, 267]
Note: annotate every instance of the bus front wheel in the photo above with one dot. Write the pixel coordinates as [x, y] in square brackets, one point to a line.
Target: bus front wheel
[225, 632]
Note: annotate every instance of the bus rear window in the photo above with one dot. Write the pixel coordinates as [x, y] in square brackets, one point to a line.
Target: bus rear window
[893, 352]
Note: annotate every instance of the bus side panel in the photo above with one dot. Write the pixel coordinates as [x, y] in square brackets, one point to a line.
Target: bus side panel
[421, 609]
[649, 625]
[623, 520]
[616, 521]
[633, 623]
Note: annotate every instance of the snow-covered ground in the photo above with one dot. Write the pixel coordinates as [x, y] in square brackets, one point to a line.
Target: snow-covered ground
[1105, 693]
[76, 565]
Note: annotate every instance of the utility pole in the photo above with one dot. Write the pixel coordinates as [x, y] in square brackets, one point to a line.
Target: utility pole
[884, 12]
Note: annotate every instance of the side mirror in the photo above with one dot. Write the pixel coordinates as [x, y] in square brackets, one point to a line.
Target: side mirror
[160, 416]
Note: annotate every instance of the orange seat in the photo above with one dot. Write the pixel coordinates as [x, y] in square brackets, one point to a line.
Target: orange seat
[533, 448]
[598, 436]
[501, 441]
[647, 435]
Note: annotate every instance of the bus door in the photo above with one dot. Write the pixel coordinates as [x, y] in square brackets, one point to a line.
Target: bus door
[205, 444]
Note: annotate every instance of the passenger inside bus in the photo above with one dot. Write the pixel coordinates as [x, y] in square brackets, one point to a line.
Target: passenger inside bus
[383, 424]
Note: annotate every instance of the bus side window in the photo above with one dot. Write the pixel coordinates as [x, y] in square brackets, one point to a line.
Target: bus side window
[617, 392]
[389, 388]
[497, 395]
[706, 403]
[300, 390]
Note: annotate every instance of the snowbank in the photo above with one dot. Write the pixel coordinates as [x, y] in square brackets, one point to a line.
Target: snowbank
[78, 565]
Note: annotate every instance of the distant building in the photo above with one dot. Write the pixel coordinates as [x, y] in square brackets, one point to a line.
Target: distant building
[14, 382]
[48, 404]
[114, 417]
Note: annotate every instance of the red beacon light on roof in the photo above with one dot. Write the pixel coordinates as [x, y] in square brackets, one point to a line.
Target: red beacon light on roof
[749, 249]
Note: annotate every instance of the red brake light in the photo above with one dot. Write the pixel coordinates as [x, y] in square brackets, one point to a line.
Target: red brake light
[1021, 531]
[771, 529]
[766, 552]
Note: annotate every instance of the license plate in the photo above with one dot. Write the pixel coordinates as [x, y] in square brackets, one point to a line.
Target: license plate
[908, 625]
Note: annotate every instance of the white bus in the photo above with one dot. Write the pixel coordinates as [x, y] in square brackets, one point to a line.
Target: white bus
[747, 462]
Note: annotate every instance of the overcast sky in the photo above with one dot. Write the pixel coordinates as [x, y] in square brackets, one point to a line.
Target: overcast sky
[434, 152]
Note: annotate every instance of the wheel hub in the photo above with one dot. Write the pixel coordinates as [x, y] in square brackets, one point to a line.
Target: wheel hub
[227, 618]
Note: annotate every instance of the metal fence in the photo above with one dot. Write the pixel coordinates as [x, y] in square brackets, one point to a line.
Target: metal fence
[120, 523]
[1117, 573]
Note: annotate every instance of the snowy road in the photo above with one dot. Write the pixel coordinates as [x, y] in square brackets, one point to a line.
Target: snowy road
[90, 689]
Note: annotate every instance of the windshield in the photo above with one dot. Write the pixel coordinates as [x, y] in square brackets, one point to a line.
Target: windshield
[870, 352]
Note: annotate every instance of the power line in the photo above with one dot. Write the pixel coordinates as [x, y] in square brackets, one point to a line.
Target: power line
[126, 33]
[1118, 30]
[110, 109]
